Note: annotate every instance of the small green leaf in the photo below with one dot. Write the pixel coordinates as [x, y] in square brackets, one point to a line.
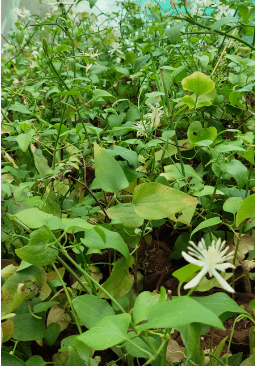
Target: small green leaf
[125, 213]
[25, 139]
[183, 273]
[206, 223]
[37, 251]
[90, 309]
[104, 240]
[143, 304]
[196, 133]
[140, 62]
[99, 93]
[155, 201]
[35, 361]
[120, 280]
[107, 333]
[237, 170]
[224, 21]
[109, 174]
[232, 204]
[198, 83]
[246, 210]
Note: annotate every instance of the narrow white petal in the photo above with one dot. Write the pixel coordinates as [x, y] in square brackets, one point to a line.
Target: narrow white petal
[223, 266]
[192, 260]
[195, 281]
[221, 281]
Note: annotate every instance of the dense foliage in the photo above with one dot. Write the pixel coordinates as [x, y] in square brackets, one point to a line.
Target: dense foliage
[112, 127]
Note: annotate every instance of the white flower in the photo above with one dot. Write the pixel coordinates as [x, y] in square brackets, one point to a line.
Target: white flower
[21, 13]
[115, 47]
[222, 9]
[211, 260]
[17, 12]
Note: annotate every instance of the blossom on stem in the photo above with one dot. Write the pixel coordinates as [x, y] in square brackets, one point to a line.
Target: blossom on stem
[211, 260]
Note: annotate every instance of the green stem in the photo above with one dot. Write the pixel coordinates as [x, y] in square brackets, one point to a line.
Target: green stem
[88, 276]
[68, 298]
[164, 349]
[69, 269]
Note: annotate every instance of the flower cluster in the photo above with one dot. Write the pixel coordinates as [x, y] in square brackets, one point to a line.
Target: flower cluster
[211, 260]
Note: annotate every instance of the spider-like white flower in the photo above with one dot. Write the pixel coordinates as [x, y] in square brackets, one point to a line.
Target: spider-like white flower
[115, 48]
[211, 260]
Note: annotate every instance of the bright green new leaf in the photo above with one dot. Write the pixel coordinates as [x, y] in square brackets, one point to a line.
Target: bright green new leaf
[207, 223]
[41, 162]
[37, 251]
[104, 239]
[125, 213]
[207, 191]
[120, 280]
[246, 210]
[198, 83]
[109, 332]
[183, 273]
[109, 174]
[155, 201]
[180, 311]
[90, 309]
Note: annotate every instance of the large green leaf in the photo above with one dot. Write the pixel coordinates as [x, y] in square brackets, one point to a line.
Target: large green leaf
[91, 309]
[120, 280]
[41, 162]
[220, 304]
[179, 311]
[198, 83]
[125, 213]
[246, 210]
[37, 251]
[109, 174]
[101, 238]
[155, 201]
[109, 332]
[10, 360]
